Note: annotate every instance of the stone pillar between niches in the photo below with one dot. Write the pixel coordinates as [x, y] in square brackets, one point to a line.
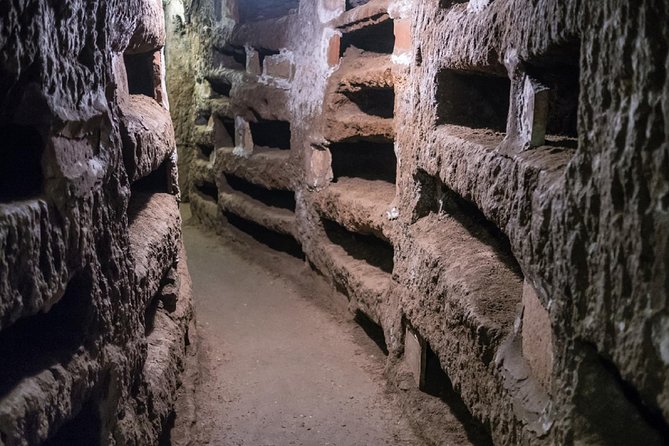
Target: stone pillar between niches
[537, 337]
[415, 355]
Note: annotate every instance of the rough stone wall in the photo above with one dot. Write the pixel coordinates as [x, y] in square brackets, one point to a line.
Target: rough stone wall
[94, 292]
[487, 176]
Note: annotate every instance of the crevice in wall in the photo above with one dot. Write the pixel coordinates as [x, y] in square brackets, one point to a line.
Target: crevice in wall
[271, 239]
[20, 163]
[271, 134]
[475, 100]
[374, 38]
[373, 330]
[141, 74]
[364, 158]
[283, 199]
[373, 101]
[37, 343]
[368, 248]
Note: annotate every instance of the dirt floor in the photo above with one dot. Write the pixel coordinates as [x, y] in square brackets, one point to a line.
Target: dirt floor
[281, 361]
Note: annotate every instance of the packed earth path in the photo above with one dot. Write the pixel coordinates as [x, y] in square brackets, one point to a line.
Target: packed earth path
[281, 362]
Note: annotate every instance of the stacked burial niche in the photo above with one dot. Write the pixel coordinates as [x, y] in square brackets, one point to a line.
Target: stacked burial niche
[452, 180]
[242, 172]
[89, 225]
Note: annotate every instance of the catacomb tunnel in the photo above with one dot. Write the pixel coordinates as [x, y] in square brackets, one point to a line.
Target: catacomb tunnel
[334, 222]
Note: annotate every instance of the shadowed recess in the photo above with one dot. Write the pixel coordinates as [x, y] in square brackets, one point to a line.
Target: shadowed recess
[271, 239]
[20, 163]
[284, 199]
[368, 248]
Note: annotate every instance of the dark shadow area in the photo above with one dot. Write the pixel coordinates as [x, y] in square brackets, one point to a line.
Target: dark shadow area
[364, 159]
[273, 134]
[207, 190]
[36, 343]
[374, 101]
[284, 199]
[559, 70]
[83, 429]
[20, 163]
[230, 56]
[141, 74]
[373, 330]
[165, 438]
[263, 53]
[438, 384]
[449, 3]
[475, 100]
[376, 38]
[220, 87]
[603, 398]
[155, 182]
[436, 197]
[205, 151]
[368, 248]
[224, 132]
[271, 239]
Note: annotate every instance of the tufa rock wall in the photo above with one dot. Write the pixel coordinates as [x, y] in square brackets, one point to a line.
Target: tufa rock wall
[487, 181]
[95, 298]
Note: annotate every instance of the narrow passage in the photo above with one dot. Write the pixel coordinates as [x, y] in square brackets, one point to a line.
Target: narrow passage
[281, 363]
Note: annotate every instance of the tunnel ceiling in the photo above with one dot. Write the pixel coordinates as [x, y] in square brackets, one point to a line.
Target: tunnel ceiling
[255, 10]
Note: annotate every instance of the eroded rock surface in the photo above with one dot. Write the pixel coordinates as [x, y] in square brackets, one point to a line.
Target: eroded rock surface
[95, 297]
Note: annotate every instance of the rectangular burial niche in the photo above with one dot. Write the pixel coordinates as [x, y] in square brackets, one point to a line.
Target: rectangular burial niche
[369, 159]
[224, 132]
[473, 99]
[141, 73]
[373, 330]
[20, 163]
[437, 198]
[263, 53]
[368, 248]
[438, 384]
[559, 69]
[373, 100]
[376, 38]
[271, 134]
[84, 429]
[220, 87]
[37, 343]
[273, 240]
[207, 190]
[142, 189]
[230, 56]
[283, 199]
